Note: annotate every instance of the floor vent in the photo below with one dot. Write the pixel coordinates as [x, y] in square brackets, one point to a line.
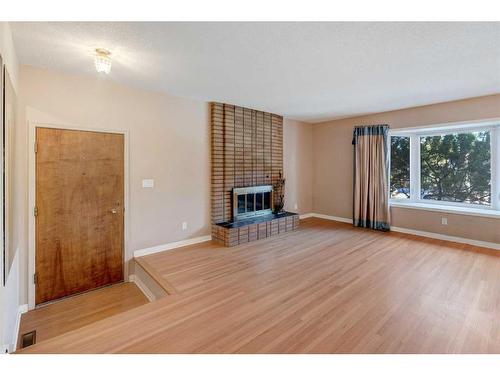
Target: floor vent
[28, 339]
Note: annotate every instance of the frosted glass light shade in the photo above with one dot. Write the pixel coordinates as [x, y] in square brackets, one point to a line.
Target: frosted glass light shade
[102, 60]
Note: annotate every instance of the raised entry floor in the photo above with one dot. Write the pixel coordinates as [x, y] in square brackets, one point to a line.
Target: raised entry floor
[75, 312]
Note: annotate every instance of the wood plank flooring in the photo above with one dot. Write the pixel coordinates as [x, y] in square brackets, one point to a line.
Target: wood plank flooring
[326, 288]
[74, 312]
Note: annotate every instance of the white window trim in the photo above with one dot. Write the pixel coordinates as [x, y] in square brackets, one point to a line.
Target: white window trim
[415, 133]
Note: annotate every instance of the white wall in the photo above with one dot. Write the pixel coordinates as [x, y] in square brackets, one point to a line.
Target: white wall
[13, 305]
[298, 165]
[8, 53]
[9, 295]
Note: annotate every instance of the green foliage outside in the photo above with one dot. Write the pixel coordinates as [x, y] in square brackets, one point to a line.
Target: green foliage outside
[400, 167]
[454, 167]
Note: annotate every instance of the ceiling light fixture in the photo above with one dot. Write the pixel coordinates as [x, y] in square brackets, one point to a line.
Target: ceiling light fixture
[102, 60]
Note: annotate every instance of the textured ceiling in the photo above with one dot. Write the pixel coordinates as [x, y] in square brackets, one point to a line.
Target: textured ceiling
[305, 71]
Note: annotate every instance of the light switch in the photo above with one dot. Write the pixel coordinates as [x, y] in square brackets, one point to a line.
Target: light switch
[148, 183]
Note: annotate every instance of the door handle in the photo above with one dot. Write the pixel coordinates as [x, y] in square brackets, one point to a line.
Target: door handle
[114, 211]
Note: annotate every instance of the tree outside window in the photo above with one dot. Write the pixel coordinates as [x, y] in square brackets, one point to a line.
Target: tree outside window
[400, 167]
[456, 168]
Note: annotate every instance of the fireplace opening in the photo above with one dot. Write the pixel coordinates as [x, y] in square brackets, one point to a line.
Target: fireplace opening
[252, 201]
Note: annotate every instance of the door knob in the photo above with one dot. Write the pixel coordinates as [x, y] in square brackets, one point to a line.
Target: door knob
[114, 210]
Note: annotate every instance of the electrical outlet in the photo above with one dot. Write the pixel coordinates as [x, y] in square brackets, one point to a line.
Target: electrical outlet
[295, 206]
[444, 221]
[184, 225]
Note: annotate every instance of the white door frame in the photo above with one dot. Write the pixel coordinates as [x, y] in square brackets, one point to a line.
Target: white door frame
[32, 125]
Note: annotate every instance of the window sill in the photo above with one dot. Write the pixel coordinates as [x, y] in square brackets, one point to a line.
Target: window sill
[448, 209]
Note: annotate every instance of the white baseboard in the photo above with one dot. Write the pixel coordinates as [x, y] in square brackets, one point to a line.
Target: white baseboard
[306, 216]
[438, 236]
[444, 237]
[334, 218]
[20, 311]
[170, 246]
[142, 286]
[327, 217]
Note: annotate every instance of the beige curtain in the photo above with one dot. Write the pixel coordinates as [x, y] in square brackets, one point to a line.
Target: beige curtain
[371, 168]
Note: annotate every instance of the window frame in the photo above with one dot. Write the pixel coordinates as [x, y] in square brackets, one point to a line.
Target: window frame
[493, 126]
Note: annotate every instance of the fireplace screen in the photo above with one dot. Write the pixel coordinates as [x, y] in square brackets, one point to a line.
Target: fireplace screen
[252, 201]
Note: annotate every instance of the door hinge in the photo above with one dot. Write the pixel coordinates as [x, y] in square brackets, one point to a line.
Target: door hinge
[36, 147]
[35, 211]
[35, 278]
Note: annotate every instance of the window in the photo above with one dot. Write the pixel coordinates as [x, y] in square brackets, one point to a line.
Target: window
[400, 167]
[448, 166]
[456, 168]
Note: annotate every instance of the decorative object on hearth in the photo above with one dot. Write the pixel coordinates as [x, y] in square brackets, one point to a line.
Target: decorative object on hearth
[279, 194]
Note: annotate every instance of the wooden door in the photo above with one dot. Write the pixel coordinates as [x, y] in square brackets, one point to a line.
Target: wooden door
[79, 211]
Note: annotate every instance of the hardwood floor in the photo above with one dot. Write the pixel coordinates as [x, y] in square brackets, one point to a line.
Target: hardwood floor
[74, 312]
[326, 288]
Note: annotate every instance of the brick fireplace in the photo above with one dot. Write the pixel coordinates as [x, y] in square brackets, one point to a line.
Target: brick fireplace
[247, 161]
